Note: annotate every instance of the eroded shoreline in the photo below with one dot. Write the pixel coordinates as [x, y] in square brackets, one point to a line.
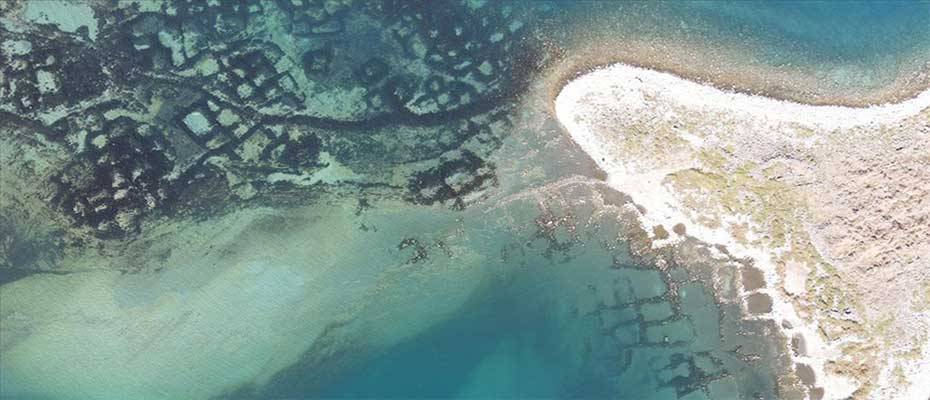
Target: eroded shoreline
[745, 172]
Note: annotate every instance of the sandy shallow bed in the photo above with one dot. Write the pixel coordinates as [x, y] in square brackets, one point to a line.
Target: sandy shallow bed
[830, 202]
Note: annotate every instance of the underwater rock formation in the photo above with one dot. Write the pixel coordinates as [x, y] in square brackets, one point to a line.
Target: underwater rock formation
[250, 94]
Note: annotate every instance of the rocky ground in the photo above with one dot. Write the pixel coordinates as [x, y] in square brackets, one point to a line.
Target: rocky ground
[830, 202]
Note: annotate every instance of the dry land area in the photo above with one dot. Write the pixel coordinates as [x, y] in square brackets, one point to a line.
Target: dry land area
[829, 202]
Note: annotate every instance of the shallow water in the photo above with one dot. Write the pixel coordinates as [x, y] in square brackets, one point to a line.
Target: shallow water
[396, 280]
[570, 315]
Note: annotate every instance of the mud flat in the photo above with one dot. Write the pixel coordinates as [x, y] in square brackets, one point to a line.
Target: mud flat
[829, 202]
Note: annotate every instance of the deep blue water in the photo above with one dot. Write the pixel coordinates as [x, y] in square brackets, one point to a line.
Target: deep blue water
[838, 31]
[859, 44]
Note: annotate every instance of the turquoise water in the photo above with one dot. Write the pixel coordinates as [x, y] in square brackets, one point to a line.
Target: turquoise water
[493, 349]
[571, 315]
[470, 251]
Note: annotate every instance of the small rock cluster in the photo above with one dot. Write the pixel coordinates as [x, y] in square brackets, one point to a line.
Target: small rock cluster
[176, 36]
[470, 53]
[458, 174]
[315, 17]
[119, 177]
[37, 73]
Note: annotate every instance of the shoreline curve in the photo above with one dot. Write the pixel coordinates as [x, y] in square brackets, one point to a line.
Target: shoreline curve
[667, 141]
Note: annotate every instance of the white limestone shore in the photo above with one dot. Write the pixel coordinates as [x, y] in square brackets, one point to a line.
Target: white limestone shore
[802, 190]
